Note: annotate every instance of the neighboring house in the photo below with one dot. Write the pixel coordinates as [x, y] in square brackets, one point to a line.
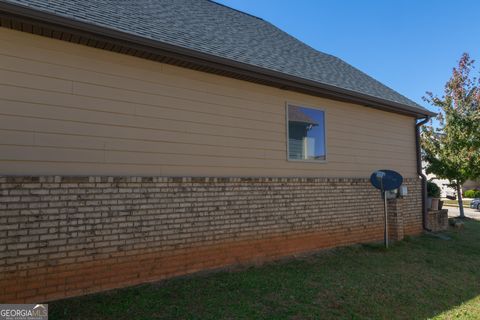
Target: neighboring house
[443, 184]
[445, 189]
[471, 185]
[142, 140]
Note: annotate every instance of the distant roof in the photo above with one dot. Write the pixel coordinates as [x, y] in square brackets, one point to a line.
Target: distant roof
[297, 115]
[217, 30]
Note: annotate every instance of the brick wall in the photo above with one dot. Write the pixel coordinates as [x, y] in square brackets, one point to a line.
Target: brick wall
[67, 236]
[437, 220]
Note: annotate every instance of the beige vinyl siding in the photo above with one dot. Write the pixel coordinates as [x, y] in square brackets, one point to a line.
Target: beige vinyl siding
[68, 109]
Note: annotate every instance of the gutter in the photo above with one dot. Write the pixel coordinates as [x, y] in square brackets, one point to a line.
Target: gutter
[24, 14]
[420, 173]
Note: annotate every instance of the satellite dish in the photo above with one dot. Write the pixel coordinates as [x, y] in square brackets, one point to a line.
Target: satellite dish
[390, 179]
[386, 180]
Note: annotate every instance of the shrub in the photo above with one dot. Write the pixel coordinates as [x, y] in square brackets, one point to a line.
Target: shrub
[469, 193]
[433, 191]
[472, 194]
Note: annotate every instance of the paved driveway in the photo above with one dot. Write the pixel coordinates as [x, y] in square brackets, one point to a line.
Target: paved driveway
[470, 213]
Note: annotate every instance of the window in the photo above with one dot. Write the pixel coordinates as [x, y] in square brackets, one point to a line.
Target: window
[306, 133]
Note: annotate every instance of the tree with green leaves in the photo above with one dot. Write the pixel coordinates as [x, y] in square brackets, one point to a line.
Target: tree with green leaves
[451, 147]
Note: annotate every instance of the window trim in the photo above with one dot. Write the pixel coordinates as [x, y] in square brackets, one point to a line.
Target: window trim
[309, 106]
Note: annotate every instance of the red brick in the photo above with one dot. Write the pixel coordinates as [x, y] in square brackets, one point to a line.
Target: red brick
[212, 223]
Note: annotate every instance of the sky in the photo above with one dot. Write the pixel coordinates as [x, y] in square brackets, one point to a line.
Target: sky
[409, 45]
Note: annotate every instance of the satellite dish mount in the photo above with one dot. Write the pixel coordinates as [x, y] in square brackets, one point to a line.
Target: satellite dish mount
[386, 180]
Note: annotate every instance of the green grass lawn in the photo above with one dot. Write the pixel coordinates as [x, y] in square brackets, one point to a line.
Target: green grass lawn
[466, 203]
[420, 278]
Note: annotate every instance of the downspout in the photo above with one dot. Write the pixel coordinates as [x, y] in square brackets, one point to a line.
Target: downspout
[420, 173]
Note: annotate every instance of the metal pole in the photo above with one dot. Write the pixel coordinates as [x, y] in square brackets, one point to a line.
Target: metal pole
[380, 175]
[386, 219]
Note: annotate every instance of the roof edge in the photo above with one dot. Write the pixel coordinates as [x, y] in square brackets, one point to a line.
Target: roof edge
[274, 78]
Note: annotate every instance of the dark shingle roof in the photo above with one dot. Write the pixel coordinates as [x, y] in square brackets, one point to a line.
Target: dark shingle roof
[211, 28]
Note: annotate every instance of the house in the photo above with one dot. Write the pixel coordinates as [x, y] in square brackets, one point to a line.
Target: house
[141, 140]
[446, 191]
[471, 185]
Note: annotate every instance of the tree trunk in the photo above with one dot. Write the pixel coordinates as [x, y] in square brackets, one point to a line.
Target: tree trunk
[460, 200]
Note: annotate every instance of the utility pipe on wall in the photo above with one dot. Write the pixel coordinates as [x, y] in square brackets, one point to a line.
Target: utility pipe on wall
[420, 173]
